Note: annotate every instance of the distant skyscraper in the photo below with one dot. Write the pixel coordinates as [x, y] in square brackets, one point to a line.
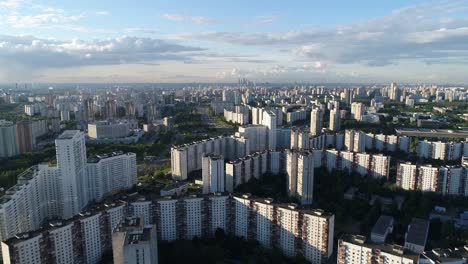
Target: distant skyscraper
[394, 93]
[111, 109]
[348, 96]
[213, 174]
[316, 122]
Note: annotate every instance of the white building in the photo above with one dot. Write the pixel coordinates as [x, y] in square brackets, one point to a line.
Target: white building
[353, 249]
[357, 110]
[135, 242]
[335, 120]
[440, 150]
[355, 140]
[71, 162]
[213, 175]
[257, 135]
[316, 121]
[107, 129]
[300, 173]
[295, 116]
[269, 120]
[111, 173]
[286, 227]
[188, 158]
[446, 180]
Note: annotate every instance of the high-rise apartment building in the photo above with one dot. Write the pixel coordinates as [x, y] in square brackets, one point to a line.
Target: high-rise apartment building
[300, 173]
[213, 175]
[135, 242]
[446, 180]
[285, 227]
[43, 192]
[187, 158]
[110, 173]
[269, 120]
[8, 139]
[357, 110]
[354, 249]
[82, 239]
[355, 140]
[335, 120]
[316, 122]
[71, 162]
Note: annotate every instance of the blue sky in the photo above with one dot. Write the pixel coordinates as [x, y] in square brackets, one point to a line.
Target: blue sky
[220, 41]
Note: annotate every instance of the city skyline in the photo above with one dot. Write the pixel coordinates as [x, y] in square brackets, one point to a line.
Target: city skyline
[207, 41]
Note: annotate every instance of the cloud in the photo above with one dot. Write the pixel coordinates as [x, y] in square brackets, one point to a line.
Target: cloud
[421, 32]
[79, 29]
[140, 30]
[36, 53]
[10, 4]
[266, 19]
[272, 71]
[194, 19]
[17, 20]
[102, 13]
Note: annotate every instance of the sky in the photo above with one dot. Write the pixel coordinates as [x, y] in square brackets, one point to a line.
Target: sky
[110, 41]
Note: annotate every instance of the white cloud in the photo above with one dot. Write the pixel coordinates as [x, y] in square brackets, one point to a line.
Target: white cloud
[194, 19]
[418, 32]
[272, 71]
[140, 30]
[10, 4]
[102, 13]
[16, 20]
[266, 19]
[35, 52]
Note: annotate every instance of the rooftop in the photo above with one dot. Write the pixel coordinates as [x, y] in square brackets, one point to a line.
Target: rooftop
[382, 224]
[439, 255]
[98, 157]
[396, 250]
[417, 231]
[68, 134]
[439, 133]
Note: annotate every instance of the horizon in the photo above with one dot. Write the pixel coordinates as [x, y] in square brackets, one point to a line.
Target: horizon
[207, 42]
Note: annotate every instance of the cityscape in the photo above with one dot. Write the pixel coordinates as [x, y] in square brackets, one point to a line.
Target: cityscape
[292, 132]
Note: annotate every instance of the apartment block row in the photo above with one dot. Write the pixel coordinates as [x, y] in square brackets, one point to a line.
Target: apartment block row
[188, 158]
[295, 116]
[88, 236]
[351, 140]
[287, 227]
[446, 180]
[238, 114]
[364, 164]
[296, 165]
[255, 165]
[359, 141]
[84, 238]
[20, 137]
[353, 249]
[357, 249]
[442, 150]
[60, 192]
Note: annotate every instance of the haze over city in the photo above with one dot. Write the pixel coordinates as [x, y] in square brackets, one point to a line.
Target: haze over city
[212, 41]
